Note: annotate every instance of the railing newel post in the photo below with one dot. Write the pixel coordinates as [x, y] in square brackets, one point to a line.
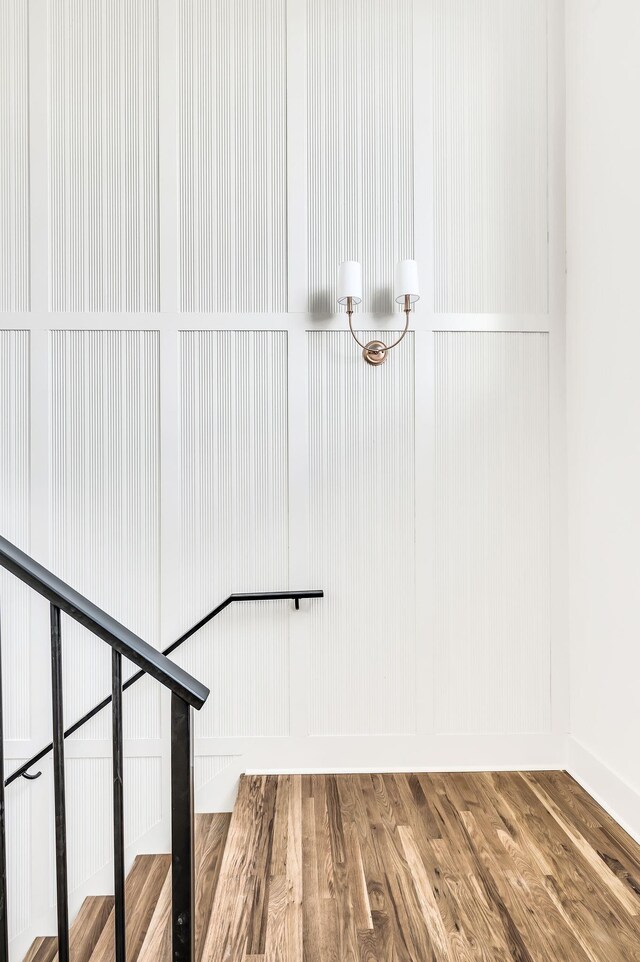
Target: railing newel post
[62, 889]
[182, 851]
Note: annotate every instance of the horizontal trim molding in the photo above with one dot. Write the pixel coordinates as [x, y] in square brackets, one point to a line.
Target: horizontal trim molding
[422, 320]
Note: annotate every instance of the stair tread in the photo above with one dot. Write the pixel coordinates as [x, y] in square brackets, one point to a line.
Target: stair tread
[148, 905]
[143, 886]
[246, 854]
[210, 837]
[43, 949]
[87, 927]
[208, 873]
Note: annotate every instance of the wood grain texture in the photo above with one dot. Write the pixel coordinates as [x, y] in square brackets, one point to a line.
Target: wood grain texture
[88, 926]
[424, 868]
[42, 950]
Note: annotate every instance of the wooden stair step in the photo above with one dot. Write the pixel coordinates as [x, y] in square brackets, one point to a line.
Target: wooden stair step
[87, 927]
[208, 873]
[235, 928]
[210, 837]
[143, 888]
[148, 905]
[43, 949]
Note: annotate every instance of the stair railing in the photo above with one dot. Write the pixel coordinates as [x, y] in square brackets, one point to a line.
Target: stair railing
[186, 693]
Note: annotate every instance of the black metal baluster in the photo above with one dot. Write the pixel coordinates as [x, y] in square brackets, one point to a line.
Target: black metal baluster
[118, 807]
[58, 787]
[4, 917]
[182, 858]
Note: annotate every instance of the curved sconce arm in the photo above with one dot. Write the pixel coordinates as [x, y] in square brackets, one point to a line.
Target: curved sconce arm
[350, 293]
[375, 352]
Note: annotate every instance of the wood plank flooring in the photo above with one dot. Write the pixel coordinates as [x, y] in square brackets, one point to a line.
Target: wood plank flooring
[483, 867]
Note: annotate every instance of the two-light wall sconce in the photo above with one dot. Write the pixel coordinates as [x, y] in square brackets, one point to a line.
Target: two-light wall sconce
[406, 292]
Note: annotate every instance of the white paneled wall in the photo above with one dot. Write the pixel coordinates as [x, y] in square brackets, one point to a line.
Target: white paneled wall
[361, 538]
[359, 144]
[492, 532]
[233, 524]
[490, 155]
[105, 505]
[15, 525]
[89, 806]
[103, 155]
[18, 815]
[14, 156]
[183, 415]
[232, 167]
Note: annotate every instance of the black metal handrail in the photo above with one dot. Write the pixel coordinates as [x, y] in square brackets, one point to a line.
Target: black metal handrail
[23, 770]
[61, 595]
[186, 693]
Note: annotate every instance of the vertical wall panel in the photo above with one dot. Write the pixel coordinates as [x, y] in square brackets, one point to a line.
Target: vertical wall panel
[103, 143]
[360, 144]
[105, 506]
[232, 160]
[492, 659]
[14, 155]
[490, 155]
[15, 493]
[19, 850]
[207, 767]
[234, 502]
[89, 788]
[361, 435]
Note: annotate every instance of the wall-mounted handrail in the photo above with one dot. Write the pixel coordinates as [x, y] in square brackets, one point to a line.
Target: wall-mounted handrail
[146, 657]
[23, 770]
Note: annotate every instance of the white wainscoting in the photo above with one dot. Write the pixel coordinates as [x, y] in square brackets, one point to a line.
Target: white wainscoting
[233, 524]
[105, 524]
[232, 114]
[183, 415]
[492, 532]
[361, 538]
[14, 156]
[359, 144]
[490, 186]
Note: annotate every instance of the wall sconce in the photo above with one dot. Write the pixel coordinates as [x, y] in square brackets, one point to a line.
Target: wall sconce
[406, 292]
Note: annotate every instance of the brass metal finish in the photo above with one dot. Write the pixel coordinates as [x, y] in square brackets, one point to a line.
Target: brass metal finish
[375, 352]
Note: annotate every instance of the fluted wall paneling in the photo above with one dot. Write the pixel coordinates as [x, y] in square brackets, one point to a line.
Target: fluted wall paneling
[89, 788]
[361, 538]
[208, 767]
[15, 491]
[359, 144]
[232, 159]
[14, 156]
[491, 551]
[18, 814]
[104, 458]
[490, 155]
[234, 524]
[103, 145]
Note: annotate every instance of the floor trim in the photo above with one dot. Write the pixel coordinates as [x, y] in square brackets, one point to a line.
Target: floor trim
[612, 792]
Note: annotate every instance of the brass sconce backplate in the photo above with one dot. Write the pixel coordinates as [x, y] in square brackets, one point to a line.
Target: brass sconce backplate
[375, 352]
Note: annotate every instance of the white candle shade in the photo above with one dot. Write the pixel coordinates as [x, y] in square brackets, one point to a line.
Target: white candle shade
[407, 282]
[350, 282]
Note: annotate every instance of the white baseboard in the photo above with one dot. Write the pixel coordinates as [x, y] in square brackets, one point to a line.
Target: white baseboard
[612, 792]
[403, 753]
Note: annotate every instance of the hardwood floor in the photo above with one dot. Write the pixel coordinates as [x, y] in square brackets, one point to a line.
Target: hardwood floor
[424, 868]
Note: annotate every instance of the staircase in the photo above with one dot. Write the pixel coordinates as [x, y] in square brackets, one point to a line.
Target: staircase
[148, 899]
[161, 909]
